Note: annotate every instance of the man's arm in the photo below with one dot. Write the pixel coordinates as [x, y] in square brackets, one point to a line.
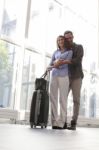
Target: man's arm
[78, 56]
[67, 60]
[61, 62]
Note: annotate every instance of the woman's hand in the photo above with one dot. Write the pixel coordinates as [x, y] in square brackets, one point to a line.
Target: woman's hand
[49, 68]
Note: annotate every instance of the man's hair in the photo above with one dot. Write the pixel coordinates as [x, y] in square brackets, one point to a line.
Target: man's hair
[66, 32]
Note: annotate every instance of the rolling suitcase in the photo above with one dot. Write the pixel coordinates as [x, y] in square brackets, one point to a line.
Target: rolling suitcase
[39, 105]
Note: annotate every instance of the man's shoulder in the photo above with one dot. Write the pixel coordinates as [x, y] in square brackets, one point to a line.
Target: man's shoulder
[78, 50]
[75, 45]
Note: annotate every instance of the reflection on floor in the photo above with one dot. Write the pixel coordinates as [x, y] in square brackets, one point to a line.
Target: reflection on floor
[21, 137]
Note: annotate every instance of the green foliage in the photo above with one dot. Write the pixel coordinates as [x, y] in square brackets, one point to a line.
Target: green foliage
[5, 66]
[3, 56]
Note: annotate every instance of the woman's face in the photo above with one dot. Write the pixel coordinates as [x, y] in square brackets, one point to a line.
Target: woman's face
[60, 42]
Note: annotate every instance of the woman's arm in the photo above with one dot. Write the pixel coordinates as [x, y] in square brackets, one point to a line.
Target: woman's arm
[51, 64]
[67, 60]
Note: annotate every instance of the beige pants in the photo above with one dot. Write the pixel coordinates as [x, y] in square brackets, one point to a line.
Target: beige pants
[59, 87]
[75, 86]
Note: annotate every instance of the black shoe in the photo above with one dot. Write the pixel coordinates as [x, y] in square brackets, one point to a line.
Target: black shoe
[72, 126]
[60, 128]
[54, 127]
[65, 126]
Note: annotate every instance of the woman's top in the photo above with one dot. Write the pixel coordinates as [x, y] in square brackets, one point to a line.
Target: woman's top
[62, 70]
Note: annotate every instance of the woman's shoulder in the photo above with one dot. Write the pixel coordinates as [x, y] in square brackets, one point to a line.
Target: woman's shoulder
[69, 51]
[56, 51]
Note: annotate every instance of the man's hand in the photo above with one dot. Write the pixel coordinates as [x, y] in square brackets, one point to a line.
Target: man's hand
[58, 62]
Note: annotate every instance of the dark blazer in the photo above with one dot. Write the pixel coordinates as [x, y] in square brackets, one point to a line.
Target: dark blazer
[75, 69]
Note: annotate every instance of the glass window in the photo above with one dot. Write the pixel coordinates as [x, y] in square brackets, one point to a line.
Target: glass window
[37, 26]
[8, 68]
[1, 12]
[12, 17]
[54, 25]
[47, 61]
[45, 24]
[48, 19]
[32, 68]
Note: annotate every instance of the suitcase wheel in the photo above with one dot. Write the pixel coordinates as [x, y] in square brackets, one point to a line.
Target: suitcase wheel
[41, 127]
[34, 126]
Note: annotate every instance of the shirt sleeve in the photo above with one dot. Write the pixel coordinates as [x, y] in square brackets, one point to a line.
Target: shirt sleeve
[78, 56]
[52, 59]
[69, 55]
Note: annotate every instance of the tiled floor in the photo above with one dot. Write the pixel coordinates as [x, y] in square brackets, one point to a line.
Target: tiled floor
[21, 137]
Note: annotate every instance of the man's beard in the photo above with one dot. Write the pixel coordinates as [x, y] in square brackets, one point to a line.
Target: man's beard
[69, 44]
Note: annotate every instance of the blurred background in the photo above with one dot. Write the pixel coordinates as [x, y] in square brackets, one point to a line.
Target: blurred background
[28, 32]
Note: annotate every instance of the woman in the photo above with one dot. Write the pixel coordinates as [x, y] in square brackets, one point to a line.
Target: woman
[59, 84]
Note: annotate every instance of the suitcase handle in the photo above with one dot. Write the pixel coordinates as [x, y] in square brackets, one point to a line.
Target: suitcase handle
[45, 74]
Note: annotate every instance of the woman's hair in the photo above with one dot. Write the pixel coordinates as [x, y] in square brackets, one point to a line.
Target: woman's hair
[61, 36]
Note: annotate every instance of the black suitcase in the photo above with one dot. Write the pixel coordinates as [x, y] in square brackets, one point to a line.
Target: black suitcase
[39, 109]
[42, 83]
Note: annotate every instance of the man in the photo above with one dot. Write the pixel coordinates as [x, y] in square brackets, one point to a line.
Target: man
[76, 75]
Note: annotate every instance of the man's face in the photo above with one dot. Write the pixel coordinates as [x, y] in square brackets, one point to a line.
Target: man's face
[69, 38]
